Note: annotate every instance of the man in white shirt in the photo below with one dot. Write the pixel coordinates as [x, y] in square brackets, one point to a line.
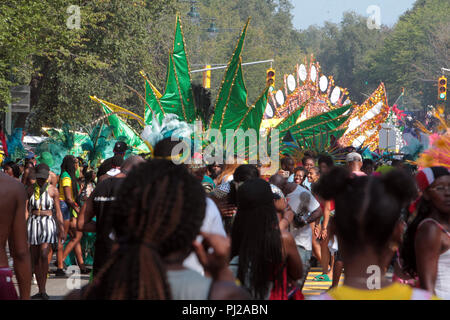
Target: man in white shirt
[307, 210]
[212, 223]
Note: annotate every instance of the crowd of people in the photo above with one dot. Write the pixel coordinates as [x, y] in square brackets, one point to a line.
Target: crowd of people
[227, 231]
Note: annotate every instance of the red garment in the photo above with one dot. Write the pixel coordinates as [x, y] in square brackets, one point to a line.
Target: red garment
[283, 292]
[7, 289]
[3, 143]
[279, 292]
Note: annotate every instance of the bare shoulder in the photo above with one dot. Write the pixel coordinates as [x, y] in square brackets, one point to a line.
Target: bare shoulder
[428, 233]
[53, 190]
[11, 189]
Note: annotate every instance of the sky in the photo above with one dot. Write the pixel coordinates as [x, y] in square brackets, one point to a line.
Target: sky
[316, 12]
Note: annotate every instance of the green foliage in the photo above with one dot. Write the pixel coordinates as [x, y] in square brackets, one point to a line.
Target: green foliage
[414, 53]
[270, 36]
[64, 66]
[341, 50]
[119, 38]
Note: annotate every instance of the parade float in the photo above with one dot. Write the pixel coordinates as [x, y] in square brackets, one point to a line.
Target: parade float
[318, 95]
[309, 112]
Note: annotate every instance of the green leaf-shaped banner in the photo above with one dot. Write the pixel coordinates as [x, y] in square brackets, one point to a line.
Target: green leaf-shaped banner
[232, 93]
[120, 128]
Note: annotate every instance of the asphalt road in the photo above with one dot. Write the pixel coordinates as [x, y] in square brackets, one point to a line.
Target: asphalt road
[58, 287]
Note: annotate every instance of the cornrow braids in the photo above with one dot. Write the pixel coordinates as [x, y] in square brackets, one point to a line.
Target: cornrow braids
[163, 207]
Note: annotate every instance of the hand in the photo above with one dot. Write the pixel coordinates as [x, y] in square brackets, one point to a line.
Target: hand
[228, 210]
[61, 234]
[317, 231]
[324, 234]
[213, 253]
[285, 174]
[299, 221]
[280, 205]
[288, 213]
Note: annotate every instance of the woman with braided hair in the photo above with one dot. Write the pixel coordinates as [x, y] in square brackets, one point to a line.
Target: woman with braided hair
[160, 209]
[369, 229]
[426, 250]
[263, 256]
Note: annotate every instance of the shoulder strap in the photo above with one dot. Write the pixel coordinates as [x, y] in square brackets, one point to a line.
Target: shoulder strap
[435, 222]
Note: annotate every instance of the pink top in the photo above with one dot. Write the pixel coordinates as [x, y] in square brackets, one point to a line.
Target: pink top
[359, 173]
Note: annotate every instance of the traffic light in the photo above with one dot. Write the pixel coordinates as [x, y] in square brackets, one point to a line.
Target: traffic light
[207, 77]
[270, 77]
[442, 89]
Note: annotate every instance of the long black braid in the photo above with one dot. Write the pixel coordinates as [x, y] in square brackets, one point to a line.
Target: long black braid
[68, 165]
[163, 207]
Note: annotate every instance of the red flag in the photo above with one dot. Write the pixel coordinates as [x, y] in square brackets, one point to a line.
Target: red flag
[3, 143]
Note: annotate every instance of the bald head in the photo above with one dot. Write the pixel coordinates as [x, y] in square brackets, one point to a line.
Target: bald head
[278, 180]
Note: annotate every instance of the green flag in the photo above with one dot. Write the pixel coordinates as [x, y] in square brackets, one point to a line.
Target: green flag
[330, 120]
[178, 96]
[255, 113]
[120, 128]
[231, 104]
[153, 106]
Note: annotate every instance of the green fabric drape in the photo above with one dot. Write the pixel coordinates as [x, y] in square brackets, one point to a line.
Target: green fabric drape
[120, 128]
[232, 96]
[178, 96]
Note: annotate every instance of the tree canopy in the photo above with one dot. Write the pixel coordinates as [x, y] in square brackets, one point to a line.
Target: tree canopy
[117, 39]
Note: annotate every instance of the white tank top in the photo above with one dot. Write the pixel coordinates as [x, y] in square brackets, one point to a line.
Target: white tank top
[442, 285]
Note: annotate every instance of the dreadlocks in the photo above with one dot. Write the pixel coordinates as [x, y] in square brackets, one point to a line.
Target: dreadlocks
[68, 165]
[163, 207]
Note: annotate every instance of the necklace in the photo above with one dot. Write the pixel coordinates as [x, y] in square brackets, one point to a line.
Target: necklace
[37, 193]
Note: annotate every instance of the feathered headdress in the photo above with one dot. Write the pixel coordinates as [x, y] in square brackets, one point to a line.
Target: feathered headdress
[439, 153]
[170, 127]
[15, 147]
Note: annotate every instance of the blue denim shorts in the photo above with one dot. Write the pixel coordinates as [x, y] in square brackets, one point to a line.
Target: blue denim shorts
[65, 210]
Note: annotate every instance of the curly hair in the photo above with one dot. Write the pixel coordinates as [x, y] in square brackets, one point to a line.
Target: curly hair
[367, 208]
[159, 210]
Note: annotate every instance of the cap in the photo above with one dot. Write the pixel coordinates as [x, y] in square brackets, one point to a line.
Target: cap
[426, 177]
[120, 147]
[46, 158]
[30, 155]
[42, 171]
[353, 156]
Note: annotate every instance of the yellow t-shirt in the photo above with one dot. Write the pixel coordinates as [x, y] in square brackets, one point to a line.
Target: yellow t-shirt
[396, 291]
[65, 181]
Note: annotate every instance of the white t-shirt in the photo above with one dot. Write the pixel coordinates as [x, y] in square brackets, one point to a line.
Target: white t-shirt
[302, 200]
[212, 223]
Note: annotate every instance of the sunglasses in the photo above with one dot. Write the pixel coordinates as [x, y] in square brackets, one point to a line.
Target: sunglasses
[440, 189]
